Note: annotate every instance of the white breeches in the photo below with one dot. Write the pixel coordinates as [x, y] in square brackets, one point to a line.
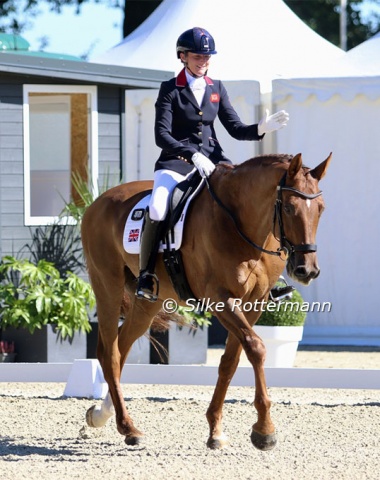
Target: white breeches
[164, 183]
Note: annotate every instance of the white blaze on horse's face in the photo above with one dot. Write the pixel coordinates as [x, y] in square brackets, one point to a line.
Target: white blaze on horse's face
[308, 203]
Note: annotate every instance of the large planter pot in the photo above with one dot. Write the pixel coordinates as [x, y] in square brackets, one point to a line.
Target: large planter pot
[7, 357]
[140, 351]
[45, 346]
[183, 346]
[187, 346]
[281, 344]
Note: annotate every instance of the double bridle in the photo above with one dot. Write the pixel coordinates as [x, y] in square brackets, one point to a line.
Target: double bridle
[286, 246]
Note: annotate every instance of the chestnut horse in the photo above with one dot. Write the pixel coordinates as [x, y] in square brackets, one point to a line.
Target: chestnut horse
[240, 231]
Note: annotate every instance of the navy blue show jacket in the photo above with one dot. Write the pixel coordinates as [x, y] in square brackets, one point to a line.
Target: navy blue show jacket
[182, 128]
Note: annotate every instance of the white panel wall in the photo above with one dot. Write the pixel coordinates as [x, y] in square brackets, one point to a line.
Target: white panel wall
[349, 231]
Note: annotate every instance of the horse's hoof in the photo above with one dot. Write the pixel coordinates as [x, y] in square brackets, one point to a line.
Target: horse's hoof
[133, 440]
[263, 442]
[217, 443]
[89, 417]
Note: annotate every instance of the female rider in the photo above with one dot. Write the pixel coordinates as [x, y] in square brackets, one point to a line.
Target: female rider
[186, 108]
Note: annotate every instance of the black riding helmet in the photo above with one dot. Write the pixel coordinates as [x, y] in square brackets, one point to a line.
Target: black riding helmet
[196, 40]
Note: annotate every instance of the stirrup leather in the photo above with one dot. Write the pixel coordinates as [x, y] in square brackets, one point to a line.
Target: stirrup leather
[147, 287]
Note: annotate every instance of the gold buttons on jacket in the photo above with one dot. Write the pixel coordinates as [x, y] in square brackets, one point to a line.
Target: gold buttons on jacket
[182, 158]
[200, 113]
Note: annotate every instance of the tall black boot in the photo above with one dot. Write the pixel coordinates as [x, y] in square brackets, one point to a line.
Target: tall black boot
[147, 283]
[279, 293]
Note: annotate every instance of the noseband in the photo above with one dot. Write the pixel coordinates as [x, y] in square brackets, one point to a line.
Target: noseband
[285, 245]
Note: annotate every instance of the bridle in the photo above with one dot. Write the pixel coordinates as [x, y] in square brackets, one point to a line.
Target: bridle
[286, 246]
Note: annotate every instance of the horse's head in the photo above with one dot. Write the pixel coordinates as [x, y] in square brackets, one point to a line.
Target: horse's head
[299, 207]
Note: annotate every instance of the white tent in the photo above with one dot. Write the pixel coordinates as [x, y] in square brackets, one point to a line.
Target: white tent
[366, 56]
[255, 39]
[340, 115]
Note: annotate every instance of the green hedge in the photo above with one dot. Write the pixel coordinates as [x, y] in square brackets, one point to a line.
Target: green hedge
[287, 313]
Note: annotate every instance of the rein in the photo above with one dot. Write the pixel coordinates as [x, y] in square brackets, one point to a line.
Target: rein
[285, 245]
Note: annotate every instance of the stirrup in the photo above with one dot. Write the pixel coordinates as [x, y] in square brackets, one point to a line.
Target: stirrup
[147, 282]
[281, 293]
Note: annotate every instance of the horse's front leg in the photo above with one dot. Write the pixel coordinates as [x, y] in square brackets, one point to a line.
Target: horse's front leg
[263, 434]
[227, 367]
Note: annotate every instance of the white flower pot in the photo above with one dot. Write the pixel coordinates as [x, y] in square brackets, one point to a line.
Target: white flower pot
[186, 348]
[281, 344]
[140, 351]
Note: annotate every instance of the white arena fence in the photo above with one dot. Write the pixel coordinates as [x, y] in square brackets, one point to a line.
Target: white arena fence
[84, 378]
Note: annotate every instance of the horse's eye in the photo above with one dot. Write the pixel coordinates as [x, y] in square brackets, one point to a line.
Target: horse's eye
[288, 209]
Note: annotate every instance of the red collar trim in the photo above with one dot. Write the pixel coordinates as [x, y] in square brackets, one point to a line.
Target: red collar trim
[181, 80]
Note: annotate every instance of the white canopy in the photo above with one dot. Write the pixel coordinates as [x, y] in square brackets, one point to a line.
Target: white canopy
[340, 116]
[255, 39]
[366, 56]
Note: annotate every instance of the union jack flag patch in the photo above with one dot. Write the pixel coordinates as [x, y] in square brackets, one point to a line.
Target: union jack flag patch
[133, 235]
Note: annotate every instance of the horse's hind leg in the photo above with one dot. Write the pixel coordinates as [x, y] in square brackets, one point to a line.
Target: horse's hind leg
[228, 365]
[109, 291]
[114, 344]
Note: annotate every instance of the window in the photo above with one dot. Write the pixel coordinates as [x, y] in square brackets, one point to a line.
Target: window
[60, 139]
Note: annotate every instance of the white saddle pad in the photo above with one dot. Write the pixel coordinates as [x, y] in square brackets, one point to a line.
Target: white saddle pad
[134, 223]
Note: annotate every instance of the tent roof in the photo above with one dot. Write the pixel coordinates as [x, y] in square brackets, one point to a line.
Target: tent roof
[255, 40]
[366, 56]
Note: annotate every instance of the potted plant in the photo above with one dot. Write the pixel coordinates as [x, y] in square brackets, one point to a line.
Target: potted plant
[45, 313]
[280, 326]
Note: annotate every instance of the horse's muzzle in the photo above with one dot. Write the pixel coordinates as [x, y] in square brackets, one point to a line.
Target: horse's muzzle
[302, 273]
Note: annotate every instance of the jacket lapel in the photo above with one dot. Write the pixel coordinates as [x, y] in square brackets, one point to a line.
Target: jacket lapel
[185, 90]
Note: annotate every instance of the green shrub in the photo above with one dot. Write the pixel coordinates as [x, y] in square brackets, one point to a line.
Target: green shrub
[287, 313]
[34, 295]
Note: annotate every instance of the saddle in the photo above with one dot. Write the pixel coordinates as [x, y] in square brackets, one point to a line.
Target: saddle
[182, 194]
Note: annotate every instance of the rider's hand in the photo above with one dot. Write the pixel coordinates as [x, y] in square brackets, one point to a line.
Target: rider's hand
[270, 123]
[203, 164]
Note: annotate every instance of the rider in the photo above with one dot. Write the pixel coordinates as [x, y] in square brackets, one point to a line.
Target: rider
[186, 108]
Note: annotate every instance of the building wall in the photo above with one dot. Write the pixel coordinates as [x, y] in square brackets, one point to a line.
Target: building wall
[13, 233]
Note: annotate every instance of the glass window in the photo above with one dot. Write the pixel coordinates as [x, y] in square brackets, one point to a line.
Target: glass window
[60, 139]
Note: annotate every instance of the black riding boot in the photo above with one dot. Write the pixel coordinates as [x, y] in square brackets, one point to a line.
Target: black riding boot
[150, 242]
[279, 293]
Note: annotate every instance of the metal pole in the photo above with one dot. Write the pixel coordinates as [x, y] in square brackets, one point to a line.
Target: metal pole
[343, 25]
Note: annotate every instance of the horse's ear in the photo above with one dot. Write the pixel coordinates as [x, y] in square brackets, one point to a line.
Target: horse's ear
[320, 171]
[295, 165]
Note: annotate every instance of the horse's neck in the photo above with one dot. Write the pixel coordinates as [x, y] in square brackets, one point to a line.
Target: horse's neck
[250, 194]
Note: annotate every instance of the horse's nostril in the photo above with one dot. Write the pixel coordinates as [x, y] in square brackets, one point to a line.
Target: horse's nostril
[300, 272]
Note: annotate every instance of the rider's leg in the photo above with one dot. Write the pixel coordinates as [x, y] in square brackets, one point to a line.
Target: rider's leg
[164, 182]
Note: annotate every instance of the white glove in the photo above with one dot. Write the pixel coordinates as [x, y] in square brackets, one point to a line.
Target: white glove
[203, 164]
[270, 123]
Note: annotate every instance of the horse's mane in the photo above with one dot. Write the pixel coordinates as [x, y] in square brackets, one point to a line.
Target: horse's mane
[268, 159]
[264, 160]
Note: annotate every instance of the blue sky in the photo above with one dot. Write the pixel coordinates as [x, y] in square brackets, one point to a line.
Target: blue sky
[98, 28]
